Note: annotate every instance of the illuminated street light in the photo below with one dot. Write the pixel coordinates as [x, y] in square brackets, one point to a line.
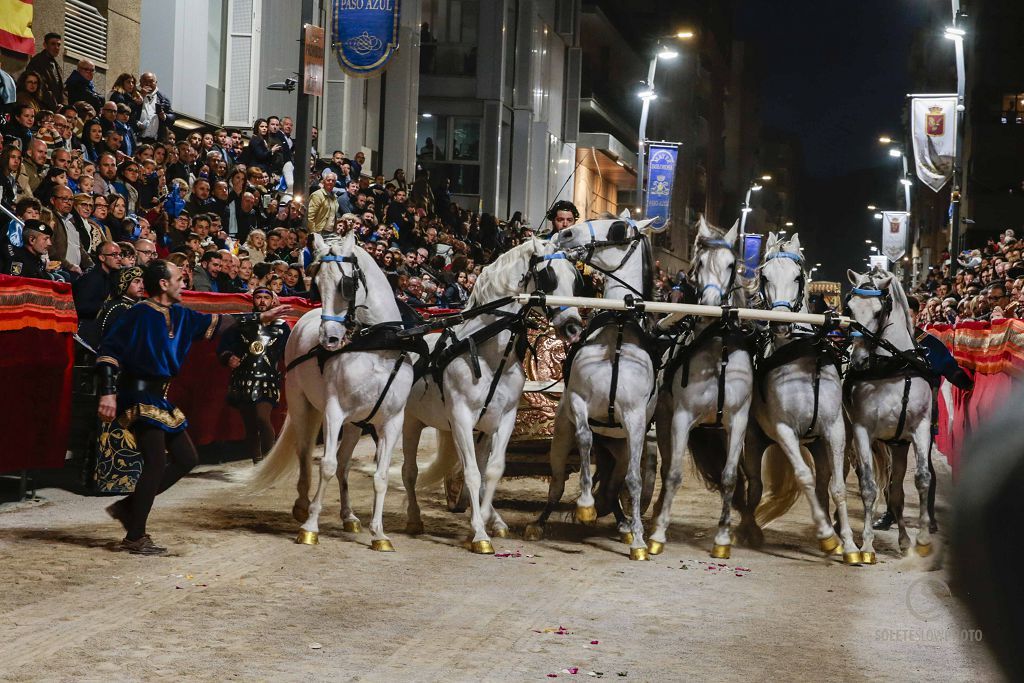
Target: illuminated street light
[954, 33]
[756, 188]
[871, 207]
[766, 177]
[885, 139]
[789, 224]
[874, 249]
[426, 115]
[906, 182]
[895, 153]
[878, 216]
[667, 52]
[685, 34]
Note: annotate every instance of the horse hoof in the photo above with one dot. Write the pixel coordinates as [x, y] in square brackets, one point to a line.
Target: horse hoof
[831, 545]
[533, 532]
[308, 538]
[655, 547]
[414, 528]
[586, 515]
[382, 545]
[721, 552]
[868, 557]
[638, 554]
[923, 549]
[352, 526]
[500, 532]
[482, 547]
[627, 538]
[856, 557]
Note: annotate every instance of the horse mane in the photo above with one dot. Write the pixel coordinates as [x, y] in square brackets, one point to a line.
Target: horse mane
[502, 276]
[899, 298]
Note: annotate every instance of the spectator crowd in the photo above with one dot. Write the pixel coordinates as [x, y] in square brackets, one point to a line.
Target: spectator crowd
[988, 285]
[102, 182]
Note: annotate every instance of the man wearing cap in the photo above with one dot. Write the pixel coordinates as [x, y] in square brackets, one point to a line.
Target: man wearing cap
[253, 351]
[30, 259]
[140, 354]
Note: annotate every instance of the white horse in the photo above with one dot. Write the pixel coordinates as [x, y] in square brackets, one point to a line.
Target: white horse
[706, 383]
[799, 399]
[888, 399]
[369, 387]
[476, 381]
[610, 388]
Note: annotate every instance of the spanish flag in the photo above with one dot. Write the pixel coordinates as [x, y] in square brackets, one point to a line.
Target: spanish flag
[16, 26]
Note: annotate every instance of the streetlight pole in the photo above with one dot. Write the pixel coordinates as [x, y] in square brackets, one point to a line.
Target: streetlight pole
[956, 34]
[303, 114]
[647, 96]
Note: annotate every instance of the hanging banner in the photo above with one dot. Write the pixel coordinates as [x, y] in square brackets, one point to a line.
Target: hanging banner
[313, 60]
[365, 34]
[751, 254]
[661, 175]
[894, 234]
[933, 129]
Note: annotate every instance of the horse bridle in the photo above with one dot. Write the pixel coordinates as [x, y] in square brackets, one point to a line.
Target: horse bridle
[545, 277]
[884, 295]
[617, 237]
[795, 304]
[348, 286]
[731, 286]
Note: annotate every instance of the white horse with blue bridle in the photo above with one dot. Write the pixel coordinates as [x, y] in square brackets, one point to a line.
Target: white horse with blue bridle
[471, 392]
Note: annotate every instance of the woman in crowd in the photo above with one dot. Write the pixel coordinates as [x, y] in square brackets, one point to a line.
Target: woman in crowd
[55, 177]
[456, 295]
[28, 90]
[260, 150]
[127, 185]
[126, 92]
[10, 165]
[117, 210]
[92, 139]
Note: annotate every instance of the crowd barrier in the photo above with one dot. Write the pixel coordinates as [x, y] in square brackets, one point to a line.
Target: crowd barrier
[993, 353]
[37, 324]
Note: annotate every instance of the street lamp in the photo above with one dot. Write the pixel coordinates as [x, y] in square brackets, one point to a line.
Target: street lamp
[766, 177]
[878, 216]
[753, 187]
[871, 207]
[648, 94]
[789, 224]
[885, 139]
[957, 35]
[895, 153]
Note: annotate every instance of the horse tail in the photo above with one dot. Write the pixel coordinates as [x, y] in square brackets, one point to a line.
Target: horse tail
[708, 448]
[781, 487]
[447, 458]
[282, 460]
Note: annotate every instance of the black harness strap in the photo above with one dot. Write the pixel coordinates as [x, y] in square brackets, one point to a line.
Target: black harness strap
[364, 424]
[497, 374]
[817, 385]
[620, 326]
[907, 380]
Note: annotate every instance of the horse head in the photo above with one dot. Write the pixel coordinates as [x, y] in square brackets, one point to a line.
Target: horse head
[604, 242]
[338, 277]
[554, 273]
[782, 278]
[714, 263]
[870, 301]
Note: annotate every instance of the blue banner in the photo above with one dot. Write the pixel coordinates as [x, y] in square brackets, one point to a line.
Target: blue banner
[365, 34]
[751, 254]
[661, 175]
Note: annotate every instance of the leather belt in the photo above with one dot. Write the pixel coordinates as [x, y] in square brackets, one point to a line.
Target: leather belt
[149, 386]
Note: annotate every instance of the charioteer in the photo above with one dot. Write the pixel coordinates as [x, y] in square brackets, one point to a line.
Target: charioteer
[138, 357]
[253, 350]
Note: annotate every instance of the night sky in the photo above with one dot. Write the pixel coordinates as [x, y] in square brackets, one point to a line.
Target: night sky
[836, 75]
[833, 73]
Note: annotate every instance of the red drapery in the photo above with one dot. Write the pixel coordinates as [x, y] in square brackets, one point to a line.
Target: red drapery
[37, 319]
[993, 353]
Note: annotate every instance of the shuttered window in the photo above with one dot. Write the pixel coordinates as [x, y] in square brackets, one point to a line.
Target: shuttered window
[85, 32]
[242, 53]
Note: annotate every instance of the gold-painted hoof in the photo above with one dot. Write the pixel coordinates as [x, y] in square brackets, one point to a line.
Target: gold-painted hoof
[923, 550]
[655, 547]
[856, 557]
[308, 537]
[638, 554]
[868, 557]
[352, 526]
[721, 552]
[482, 547]
[587, 515]
[627, 538]
[829, 545]
[533, 532]
[500, 532]
[382, 545]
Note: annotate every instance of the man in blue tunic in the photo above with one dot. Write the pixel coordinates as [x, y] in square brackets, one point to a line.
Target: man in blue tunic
[139, 355]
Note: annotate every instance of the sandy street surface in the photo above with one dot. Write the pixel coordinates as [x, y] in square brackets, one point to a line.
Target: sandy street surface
[238, 600]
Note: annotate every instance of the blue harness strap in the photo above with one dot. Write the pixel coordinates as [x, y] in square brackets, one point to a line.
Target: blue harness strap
[859, 291]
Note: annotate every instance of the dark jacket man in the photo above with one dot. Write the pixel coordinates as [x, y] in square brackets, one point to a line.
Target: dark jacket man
[51, 75]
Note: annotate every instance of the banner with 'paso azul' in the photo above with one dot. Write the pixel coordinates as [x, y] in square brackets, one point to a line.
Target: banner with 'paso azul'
[365, 34]
[661, 175]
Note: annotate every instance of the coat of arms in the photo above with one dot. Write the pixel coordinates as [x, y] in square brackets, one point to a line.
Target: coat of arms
[935, 122]
[894, 225]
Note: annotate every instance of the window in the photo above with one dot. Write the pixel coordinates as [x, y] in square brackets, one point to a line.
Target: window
[85, 32]
[449, 147]
[1013, 108]
[448, 37]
